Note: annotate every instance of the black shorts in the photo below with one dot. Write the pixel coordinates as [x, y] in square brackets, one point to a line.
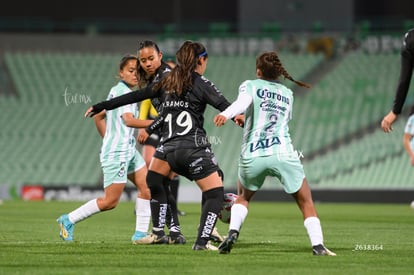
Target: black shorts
[153, 140]
[194, 163]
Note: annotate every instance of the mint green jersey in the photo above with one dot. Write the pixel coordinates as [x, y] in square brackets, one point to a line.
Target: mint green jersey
[268, 109]
[119, 140]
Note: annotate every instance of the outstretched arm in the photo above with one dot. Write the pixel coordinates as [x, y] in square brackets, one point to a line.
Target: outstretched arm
[239, 106]
[133, 97]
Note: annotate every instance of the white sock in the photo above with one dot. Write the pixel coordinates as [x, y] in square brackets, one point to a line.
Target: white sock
[314, 229]
[143, 213]
[238, 215]
[83, 212]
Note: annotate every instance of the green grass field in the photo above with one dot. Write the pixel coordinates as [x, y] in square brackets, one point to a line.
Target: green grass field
[368, 238]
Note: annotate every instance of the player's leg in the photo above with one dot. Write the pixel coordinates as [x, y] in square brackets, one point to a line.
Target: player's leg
[142, 202]
[172, 220]
[252, 173]
[312, 223]
[239, 212]
[114, 182]
[158, 169]
[213, 193]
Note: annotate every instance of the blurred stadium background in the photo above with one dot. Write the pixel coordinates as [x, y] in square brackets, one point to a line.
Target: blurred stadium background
[57, 59]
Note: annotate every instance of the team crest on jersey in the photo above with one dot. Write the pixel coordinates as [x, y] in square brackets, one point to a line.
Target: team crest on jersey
[121, 172]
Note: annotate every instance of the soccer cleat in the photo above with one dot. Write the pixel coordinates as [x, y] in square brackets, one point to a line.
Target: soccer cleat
[66, 228]
[154, 238]
[140, 238]
[226, 246]
[215, 236]
[321, 250]
[176, 238]
[207, 246]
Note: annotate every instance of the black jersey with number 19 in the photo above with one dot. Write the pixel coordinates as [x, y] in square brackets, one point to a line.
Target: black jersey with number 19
[182, 117]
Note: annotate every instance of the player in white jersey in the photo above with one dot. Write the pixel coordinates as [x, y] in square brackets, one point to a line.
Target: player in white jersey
[408, 140]
[120, 160]
[267, 149]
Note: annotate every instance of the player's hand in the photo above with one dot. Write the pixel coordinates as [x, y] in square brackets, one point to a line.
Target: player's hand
[142, 136]
[219, 120]
[239, 120]
[95, 109]
[387, 121]
[89, 112]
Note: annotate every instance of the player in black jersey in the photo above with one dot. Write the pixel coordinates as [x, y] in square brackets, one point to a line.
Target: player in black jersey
[150, 69]
[407, 65]
[184, 147]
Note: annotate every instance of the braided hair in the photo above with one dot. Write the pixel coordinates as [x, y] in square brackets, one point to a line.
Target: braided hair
[271, 67]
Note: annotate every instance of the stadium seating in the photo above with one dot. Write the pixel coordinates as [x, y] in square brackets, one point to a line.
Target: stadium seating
[45, 139]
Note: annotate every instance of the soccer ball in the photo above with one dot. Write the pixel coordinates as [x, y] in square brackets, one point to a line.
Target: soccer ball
[225, 212]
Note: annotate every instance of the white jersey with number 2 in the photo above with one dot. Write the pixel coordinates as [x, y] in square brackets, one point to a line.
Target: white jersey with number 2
[267, 106]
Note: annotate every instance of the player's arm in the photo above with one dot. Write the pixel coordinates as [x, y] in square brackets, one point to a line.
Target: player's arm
[238, 107]
[129, 98]
[215, 98]
[406, 70]
[100, 123]
[133, 122]
[156, 124]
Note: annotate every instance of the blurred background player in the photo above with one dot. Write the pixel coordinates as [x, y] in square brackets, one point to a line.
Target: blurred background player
[120, 160]
[408, 141]
[267, 148]
[406, 70]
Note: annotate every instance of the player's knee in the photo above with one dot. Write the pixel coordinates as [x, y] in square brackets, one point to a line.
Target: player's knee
[155, 181]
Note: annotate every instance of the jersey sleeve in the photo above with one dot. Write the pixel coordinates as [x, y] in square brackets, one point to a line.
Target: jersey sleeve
[406, 70]
[239, 106]
[144, 109]
[214, 97]
[132, 97]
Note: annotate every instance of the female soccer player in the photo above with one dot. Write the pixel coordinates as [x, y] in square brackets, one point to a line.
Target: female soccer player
[120, 160]
[408, 140]
[148, 111]
[150, 69]
[267, 149]
[184, 146]
[406, 71]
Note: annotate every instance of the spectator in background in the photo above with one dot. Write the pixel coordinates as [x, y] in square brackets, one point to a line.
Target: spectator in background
[406, 70]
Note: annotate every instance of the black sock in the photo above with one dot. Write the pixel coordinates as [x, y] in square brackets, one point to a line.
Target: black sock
[173, 222]
[213, 200]
[174, 184]
[158, 200]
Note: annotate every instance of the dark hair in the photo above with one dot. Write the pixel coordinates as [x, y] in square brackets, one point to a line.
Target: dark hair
[143, 79]
[187, 58]
[125, 59]
[271, 67]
